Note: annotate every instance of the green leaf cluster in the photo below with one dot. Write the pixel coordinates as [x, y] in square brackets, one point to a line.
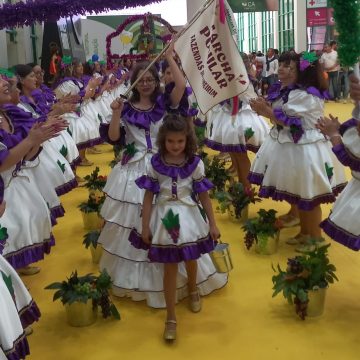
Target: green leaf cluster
[94, 181]
[236, 196]
[83, 289]
[265, 223]
[92, 205]
[312, 271]
[91, 238]
[216, 172]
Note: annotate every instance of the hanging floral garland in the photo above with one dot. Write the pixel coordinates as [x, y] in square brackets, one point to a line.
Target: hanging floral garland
[347, 20]
[110, 56]
[27, 13]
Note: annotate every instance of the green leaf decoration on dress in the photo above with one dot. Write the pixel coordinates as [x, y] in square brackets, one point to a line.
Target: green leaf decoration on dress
[329, 171]
[130, 151]
[249, 133]
[8, 282]
[172, 225]
[211, 129]
[61, 166]
[100, 118]
[194, 105]
[64, 151]
[3, 233]
[69, 131]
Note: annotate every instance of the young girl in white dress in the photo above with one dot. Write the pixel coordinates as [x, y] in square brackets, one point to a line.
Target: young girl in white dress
[176, 229]
[132, 273]
[295, 163]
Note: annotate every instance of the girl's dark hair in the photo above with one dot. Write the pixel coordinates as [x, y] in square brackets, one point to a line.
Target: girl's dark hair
[22, 71]
[311, 76]
[135, 97]
[177, 123]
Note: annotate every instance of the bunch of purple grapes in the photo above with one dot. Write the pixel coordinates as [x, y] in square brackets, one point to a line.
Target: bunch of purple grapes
[294, 266]
[301, 308]
[105, 305]
[249, 240]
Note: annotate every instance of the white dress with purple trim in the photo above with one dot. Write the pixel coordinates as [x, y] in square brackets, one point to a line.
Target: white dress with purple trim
[26, 220]
[295, 163]
[65, 143]
[132, 273]
[343, 223]
[84, 124]
[244, 131]
[17, 311]
[179, 228]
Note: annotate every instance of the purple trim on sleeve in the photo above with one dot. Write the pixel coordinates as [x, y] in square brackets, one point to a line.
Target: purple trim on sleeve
[293, 123]
[202, 185]
[348, 125]
[173, 254]
[172, 170]
[67, 187]
[346, 157]
[340, 235]
[148, 183]
[316, 92]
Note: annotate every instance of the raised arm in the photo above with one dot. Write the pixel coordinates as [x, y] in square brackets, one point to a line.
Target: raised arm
[180, 82]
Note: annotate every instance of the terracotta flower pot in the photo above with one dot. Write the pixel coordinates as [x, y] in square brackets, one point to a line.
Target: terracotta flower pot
[80, 314]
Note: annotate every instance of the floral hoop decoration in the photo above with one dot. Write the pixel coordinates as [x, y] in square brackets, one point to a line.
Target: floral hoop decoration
[307, 58]
[147, 19]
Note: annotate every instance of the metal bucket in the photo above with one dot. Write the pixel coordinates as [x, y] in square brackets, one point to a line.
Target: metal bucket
[221, 258]
[96, 253]
[81, 314]
[267, 245]
[316, 303]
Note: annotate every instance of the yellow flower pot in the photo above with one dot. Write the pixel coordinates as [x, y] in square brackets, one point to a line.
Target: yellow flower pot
[81, 314]
[243, 217]
[316, 303]
[96, 253]
[92, 220]
[267, 245]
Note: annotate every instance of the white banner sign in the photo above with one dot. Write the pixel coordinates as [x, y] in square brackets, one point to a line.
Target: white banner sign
[211, 60]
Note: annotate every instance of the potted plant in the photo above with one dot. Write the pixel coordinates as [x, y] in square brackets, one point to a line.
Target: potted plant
[91, 211]
[95, 182]
[305, 280]
[264, 230]
[82, 295]
[216, 172]
[91, 241]
[236, 201]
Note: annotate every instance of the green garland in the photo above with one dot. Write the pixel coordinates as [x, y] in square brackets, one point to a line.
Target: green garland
[347, 20]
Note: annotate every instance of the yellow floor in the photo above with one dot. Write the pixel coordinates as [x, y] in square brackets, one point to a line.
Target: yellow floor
[241, 321]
